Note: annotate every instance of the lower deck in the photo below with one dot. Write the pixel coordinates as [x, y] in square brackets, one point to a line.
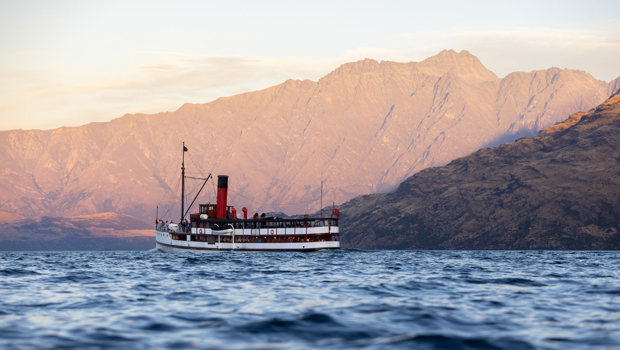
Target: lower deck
[264, 240]
[302, 246]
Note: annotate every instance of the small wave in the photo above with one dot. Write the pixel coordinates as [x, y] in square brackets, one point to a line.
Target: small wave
[37, 305]
[193, 260]
[277, 325]
[604, 342]
[520, 282]
[312, 327]
[98, 301]
[439, 341]
[107, 335]
[180, 295]
[17, 272]
[604, 291]
[489, 303]
[200, 320]
[144, 287]
[422, 285]
[158, 327]
[168, 269]
[71, 278]
[382, 290]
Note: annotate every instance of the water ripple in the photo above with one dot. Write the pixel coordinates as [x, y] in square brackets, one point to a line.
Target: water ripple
[337, 299]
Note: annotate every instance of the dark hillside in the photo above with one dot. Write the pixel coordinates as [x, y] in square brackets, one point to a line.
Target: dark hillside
[557, 190]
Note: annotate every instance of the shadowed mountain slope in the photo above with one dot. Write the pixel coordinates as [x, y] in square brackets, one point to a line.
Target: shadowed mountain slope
[103, 231]
[557, 190]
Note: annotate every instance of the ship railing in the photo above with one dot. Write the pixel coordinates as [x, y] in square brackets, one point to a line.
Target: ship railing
[179, 229]
[269, 223]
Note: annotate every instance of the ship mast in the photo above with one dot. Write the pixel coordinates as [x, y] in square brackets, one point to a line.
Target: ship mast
[321, 198]
[183, 184]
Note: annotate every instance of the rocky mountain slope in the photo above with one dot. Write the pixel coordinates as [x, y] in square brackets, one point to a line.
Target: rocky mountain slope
[363, 128]
[557, 190]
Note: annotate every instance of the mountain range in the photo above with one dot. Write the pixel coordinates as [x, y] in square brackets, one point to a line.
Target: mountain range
[363, 128]
[557, 190]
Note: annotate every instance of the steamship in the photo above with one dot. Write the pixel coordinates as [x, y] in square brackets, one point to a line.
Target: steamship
[216, 227]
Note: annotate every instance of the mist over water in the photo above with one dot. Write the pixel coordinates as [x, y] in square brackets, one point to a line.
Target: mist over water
[330, 299]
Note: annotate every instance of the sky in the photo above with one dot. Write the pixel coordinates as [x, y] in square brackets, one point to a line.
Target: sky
[69, 63]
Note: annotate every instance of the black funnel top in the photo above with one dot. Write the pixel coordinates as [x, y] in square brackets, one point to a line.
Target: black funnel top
[222, 181]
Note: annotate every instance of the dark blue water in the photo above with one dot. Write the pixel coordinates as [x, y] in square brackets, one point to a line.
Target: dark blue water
[332, 299]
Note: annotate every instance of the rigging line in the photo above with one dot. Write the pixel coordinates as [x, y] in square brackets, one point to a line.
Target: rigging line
[259, 204]
[239, 194]
[197, 178]
[254, 200]
[167, 207]
[201, 187]
[175, 190]
[290, 204]
[214, 190]
[193, 189]
[166, 212]
[177, 185]
[206, 193]
[195, 164]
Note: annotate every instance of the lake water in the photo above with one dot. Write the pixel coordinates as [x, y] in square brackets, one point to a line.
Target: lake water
[331, 299]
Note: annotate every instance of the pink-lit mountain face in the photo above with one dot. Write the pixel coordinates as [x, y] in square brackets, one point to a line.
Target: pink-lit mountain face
[363, 128]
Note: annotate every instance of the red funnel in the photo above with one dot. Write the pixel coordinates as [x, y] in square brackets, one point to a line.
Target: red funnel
[222, 193]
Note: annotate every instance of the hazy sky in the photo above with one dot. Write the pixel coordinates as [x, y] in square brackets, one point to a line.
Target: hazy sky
[68, 63]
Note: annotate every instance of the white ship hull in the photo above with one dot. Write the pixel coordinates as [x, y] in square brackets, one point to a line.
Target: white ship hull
[280, 239]
[196, 247]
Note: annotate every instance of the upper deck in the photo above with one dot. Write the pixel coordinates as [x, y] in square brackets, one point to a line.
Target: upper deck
[297, 226]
